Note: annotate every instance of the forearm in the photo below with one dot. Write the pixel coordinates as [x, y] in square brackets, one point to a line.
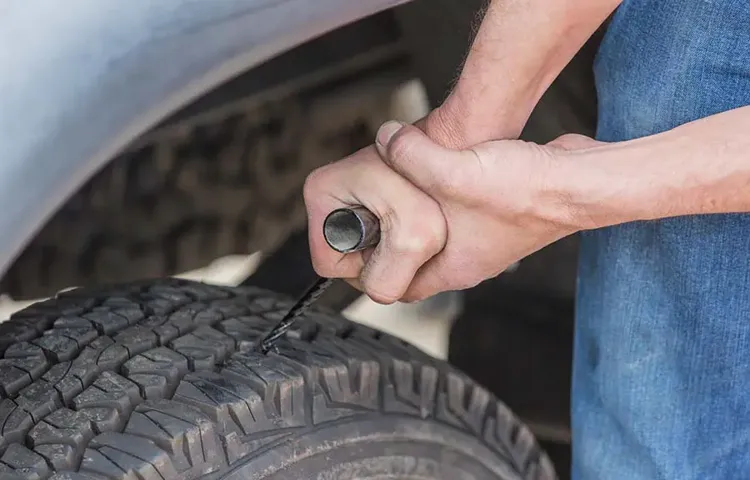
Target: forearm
[519, 49]
[699, 168]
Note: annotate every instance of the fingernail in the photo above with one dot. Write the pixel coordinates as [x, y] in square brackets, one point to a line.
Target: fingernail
[387, 131]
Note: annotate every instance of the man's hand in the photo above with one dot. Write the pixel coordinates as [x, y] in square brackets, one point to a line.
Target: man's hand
[452, 218]
[449, 218]
[421, 196]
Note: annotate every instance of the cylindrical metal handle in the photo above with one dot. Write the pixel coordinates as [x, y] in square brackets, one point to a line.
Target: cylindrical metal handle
[351, 229]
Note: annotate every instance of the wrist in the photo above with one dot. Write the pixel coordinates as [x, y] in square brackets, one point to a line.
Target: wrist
[602, 186]
[474, 119]
[458, 124]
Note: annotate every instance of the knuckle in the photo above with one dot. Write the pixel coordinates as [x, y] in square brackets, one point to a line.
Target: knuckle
[454, 183]
[411, 242]
[312, 184]
[400, 147]
[424, 236]
[435, 231]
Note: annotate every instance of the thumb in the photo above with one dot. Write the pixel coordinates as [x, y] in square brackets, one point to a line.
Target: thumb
[413, 155]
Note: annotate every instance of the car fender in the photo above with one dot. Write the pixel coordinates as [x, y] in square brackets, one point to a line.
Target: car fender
[81, 79]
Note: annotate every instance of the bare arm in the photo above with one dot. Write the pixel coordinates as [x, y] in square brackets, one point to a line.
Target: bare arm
[702, 167]
[520, 48]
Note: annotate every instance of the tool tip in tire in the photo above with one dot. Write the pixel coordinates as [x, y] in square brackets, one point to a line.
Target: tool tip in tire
[159, 380]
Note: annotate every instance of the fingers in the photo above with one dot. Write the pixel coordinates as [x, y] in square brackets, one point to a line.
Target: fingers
[412, 225]
[434, 169]
[323, 193]
[409, 239]
[448, 271]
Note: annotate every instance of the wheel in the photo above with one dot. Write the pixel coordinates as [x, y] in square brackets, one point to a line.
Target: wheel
[159, 381]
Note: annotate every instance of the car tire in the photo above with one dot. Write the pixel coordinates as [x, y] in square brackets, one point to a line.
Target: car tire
[160, 380]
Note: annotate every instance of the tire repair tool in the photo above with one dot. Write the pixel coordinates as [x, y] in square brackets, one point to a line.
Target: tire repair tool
[346, 230]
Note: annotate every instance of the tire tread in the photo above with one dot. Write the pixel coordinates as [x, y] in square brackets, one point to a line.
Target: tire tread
[159, 381]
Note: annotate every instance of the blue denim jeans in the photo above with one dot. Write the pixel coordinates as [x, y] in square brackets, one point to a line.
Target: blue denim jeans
[661, 382]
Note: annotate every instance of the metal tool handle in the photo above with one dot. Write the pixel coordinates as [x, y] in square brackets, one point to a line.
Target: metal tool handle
[351, 229]
[346, 230]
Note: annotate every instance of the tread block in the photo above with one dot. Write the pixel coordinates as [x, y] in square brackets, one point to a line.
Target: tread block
[12, 378]
[110, 390]
[64, 381]
[34, 366]
[345, 386]
[102, 354]
[175, 296]
[158, 361]
[230, 307]
[137, 339]
[415, 385]
[248, 324]
[282, 387]
[160, 326]
[60, 456]
[82, 335]
[151, 386]
[15, 422]
[8, 473]
[506, 434]
[234, 405]
[104, 419]
[165, 332]
[24, 350]
[246, 330]
[72, 322]
[59, 348]
[129, 310]
[466, 402]
[208, 315]
[26, 463]
[70, 378]
[95, 462]
[62, 426]
[106, 322]
[76, 476]
[180, 322]
[184, 431]
[39, 399]
[183, 319]
[135, 453]
[14, 330]
[160, 306]
[141, 425]
[204, 292]
[204, 348]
